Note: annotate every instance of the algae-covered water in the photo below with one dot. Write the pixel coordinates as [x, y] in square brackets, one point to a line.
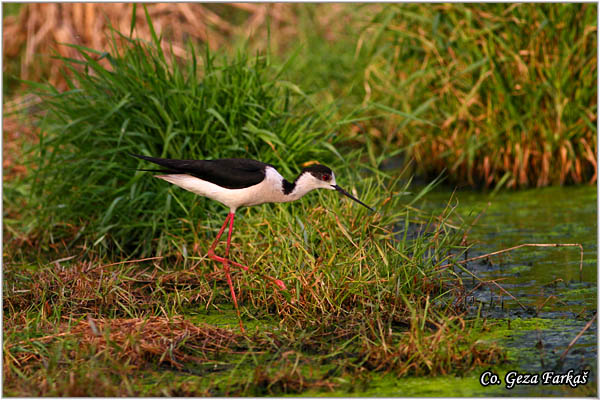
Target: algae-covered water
[559, 299]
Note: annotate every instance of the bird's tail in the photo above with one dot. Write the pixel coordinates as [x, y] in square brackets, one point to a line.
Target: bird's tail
[151, 159]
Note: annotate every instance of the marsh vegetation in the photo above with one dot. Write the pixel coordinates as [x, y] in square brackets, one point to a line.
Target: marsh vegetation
[107, 290]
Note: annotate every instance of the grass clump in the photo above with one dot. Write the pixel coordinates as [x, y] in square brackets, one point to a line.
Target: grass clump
[146, 103]
[496, 94]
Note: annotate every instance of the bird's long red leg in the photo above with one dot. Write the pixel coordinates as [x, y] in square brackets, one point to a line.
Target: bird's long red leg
[211, 251]
[223, 260]
[226, 268]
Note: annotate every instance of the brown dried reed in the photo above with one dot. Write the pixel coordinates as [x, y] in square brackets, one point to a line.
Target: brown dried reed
[40, 27]
[142, 339]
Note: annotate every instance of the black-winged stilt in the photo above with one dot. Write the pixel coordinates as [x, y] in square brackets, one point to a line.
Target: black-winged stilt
[238, 182]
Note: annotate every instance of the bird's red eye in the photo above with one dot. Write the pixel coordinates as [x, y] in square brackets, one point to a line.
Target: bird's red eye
[325, 177]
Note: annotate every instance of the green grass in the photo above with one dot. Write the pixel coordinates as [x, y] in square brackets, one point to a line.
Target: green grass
[140, 101]
[10, 9]
[494, 95]
[365, 294]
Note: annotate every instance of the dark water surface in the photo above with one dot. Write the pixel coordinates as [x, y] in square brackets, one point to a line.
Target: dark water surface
[559, 300]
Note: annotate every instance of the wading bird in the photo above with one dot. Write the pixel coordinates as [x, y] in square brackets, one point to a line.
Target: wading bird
[238, 182]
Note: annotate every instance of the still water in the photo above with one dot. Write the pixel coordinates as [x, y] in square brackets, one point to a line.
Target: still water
[559, 299]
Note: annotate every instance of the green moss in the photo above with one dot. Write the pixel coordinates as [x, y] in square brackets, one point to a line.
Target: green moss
[517, 269]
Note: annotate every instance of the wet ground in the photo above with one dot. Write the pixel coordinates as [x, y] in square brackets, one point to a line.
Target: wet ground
[557, 300]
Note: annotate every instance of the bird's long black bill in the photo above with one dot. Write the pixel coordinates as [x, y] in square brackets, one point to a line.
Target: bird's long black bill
[342, 191]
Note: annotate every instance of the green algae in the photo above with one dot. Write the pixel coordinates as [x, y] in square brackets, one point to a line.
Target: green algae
[389, 385]
[500, 328]
[560, 297]
[517, 269]
[548, 215]
[494, 331]
[587, 294]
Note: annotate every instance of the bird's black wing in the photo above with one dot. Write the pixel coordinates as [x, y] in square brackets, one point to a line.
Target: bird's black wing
[231, 173]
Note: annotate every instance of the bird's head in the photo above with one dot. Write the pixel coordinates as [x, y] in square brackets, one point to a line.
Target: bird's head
[318, 176]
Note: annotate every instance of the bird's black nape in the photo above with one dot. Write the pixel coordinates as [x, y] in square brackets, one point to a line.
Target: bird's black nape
[318, 168]
[319, 171]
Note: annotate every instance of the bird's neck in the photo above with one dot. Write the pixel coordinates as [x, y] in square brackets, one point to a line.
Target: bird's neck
[294, 190]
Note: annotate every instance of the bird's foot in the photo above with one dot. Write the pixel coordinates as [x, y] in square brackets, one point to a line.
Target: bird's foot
[223, 260]
[280, 284]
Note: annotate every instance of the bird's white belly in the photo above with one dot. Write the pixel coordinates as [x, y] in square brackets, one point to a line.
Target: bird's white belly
[263, 192]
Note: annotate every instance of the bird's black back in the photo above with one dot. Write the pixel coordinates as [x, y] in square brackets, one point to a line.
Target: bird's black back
[230, 173]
